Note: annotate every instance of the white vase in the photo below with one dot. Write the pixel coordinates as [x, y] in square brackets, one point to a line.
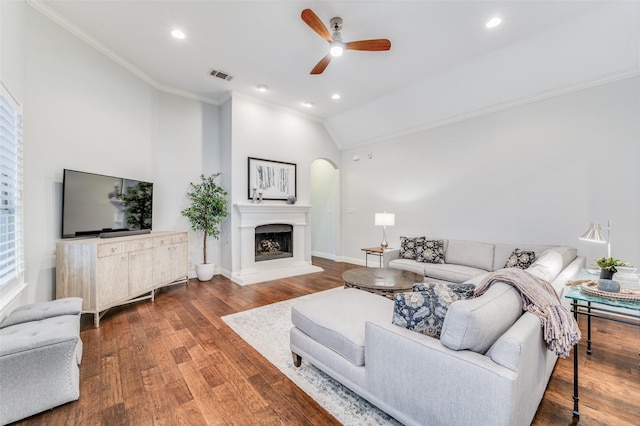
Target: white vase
[204, 271]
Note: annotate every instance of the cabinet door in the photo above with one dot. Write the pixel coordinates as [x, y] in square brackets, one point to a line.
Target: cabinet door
[112, 279]
[140, 272]
[162, 264]
[179, 261]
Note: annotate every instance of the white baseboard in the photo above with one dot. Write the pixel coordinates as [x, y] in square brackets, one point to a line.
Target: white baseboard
[329, 256]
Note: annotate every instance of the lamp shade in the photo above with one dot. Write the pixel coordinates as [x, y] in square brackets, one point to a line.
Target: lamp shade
[593, 234]
[385, 219]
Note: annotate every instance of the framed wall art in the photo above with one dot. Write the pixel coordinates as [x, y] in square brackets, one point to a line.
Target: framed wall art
[276, 179]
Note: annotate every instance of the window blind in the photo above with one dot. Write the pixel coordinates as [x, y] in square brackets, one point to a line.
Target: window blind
[11, 239]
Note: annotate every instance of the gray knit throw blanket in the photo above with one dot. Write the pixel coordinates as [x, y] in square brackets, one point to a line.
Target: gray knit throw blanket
[559, 328]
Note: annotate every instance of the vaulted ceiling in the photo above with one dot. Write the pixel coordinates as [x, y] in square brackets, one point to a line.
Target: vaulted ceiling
[266, 43]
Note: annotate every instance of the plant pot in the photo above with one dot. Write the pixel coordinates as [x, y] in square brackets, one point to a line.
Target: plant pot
[606, 274]
[205, 271]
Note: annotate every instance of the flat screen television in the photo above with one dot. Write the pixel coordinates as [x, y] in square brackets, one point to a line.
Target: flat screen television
[104, 206]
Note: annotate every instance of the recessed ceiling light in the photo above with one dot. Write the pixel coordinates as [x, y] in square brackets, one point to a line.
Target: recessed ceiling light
[262, 88]
[178, 34]
[307, 104]
[493, 22]
[335, 96]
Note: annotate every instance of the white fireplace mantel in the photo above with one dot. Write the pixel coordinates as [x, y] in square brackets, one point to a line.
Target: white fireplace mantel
[252, 215]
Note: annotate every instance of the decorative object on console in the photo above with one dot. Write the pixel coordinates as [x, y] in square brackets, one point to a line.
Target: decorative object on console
[207, 209]
[424, 309]
[276, 180]
[520, 259]
[385, 219]
[291, 199]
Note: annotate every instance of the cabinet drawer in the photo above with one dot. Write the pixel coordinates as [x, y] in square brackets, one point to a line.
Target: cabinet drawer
[179, 238]
[109, 249]
[140, 244]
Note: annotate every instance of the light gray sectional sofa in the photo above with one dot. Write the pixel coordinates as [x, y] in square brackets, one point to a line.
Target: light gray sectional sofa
[489, 367]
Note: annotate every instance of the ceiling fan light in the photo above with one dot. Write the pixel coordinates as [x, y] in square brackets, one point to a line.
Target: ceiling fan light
[337, 48]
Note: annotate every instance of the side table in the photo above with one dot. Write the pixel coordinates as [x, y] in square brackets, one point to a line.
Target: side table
[373, 251]
[604, 308]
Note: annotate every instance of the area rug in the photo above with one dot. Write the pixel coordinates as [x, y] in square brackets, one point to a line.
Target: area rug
[267, 330]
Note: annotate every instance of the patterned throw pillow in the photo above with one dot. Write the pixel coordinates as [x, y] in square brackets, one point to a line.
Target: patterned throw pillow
[423, 310]
[432, 252]
[520, 259]
[411, 247]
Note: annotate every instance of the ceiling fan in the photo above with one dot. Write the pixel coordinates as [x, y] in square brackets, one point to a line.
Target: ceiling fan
[335, 39]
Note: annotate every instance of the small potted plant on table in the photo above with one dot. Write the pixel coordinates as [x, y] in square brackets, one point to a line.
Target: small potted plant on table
[207, 209]
[608, 266]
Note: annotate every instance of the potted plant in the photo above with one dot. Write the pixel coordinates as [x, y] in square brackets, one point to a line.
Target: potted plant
[608, 266]
[207, 209]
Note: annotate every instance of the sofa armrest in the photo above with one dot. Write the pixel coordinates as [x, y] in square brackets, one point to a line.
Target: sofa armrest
[462, 387]
[389, 255]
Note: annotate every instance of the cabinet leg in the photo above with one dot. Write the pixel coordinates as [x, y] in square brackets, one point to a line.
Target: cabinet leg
[96, 319]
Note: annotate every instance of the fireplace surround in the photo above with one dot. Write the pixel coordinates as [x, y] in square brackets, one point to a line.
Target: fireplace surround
[252, 216]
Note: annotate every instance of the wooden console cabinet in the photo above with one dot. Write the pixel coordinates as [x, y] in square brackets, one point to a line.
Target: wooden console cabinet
[108, 272]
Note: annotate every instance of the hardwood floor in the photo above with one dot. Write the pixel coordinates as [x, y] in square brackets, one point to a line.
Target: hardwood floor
[176, 362]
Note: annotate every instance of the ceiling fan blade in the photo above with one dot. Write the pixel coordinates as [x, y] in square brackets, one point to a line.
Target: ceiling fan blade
[316, 24]
[371, 45]
[321, 65]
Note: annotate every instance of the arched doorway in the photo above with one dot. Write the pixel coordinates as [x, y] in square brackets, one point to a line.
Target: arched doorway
[325, 214]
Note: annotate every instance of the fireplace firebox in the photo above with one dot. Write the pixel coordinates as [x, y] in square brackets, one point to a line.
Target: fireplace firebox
[273, 241]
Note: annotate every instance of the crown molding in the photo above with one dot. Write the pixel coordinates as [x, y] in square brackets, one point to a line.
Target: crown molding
[490, 109]
[73, 29]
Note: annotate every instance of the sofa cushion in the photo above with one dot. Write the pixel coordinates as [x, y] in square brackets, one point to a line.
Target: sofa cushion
[432, 251]
[424, 309]
[451, 273]
[43, 310]
[336, 319]
[470, 253]
[475, 324]
[409, 247]
[407, 265]
[520, 259]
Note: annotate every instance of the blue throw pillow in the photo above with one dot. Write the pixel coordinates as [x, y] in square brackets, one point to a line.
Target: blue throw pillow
[424, 309]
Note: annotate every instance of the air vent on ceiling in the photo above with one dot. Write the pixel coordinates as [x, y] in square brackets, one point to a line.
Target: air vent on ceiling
[222, 75]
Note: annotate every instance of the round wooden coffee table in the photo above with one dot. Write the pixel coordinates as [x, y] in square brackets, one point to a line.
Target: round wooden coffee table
[383, 281]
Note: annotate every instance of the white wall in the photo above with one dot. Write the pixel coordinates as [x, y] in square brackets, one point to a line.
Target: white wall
[262, 130]
[187, 144]
[82, 111]
[538, 173]
[325, 197]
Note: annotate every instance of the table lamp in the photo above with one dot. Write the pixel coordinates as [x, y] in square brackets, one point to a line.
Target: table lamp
[384, 220]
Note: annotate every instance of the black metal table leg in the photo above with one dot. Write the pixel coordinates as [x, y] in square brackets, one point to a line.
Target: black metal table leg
[588, 328]
[576, 410]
